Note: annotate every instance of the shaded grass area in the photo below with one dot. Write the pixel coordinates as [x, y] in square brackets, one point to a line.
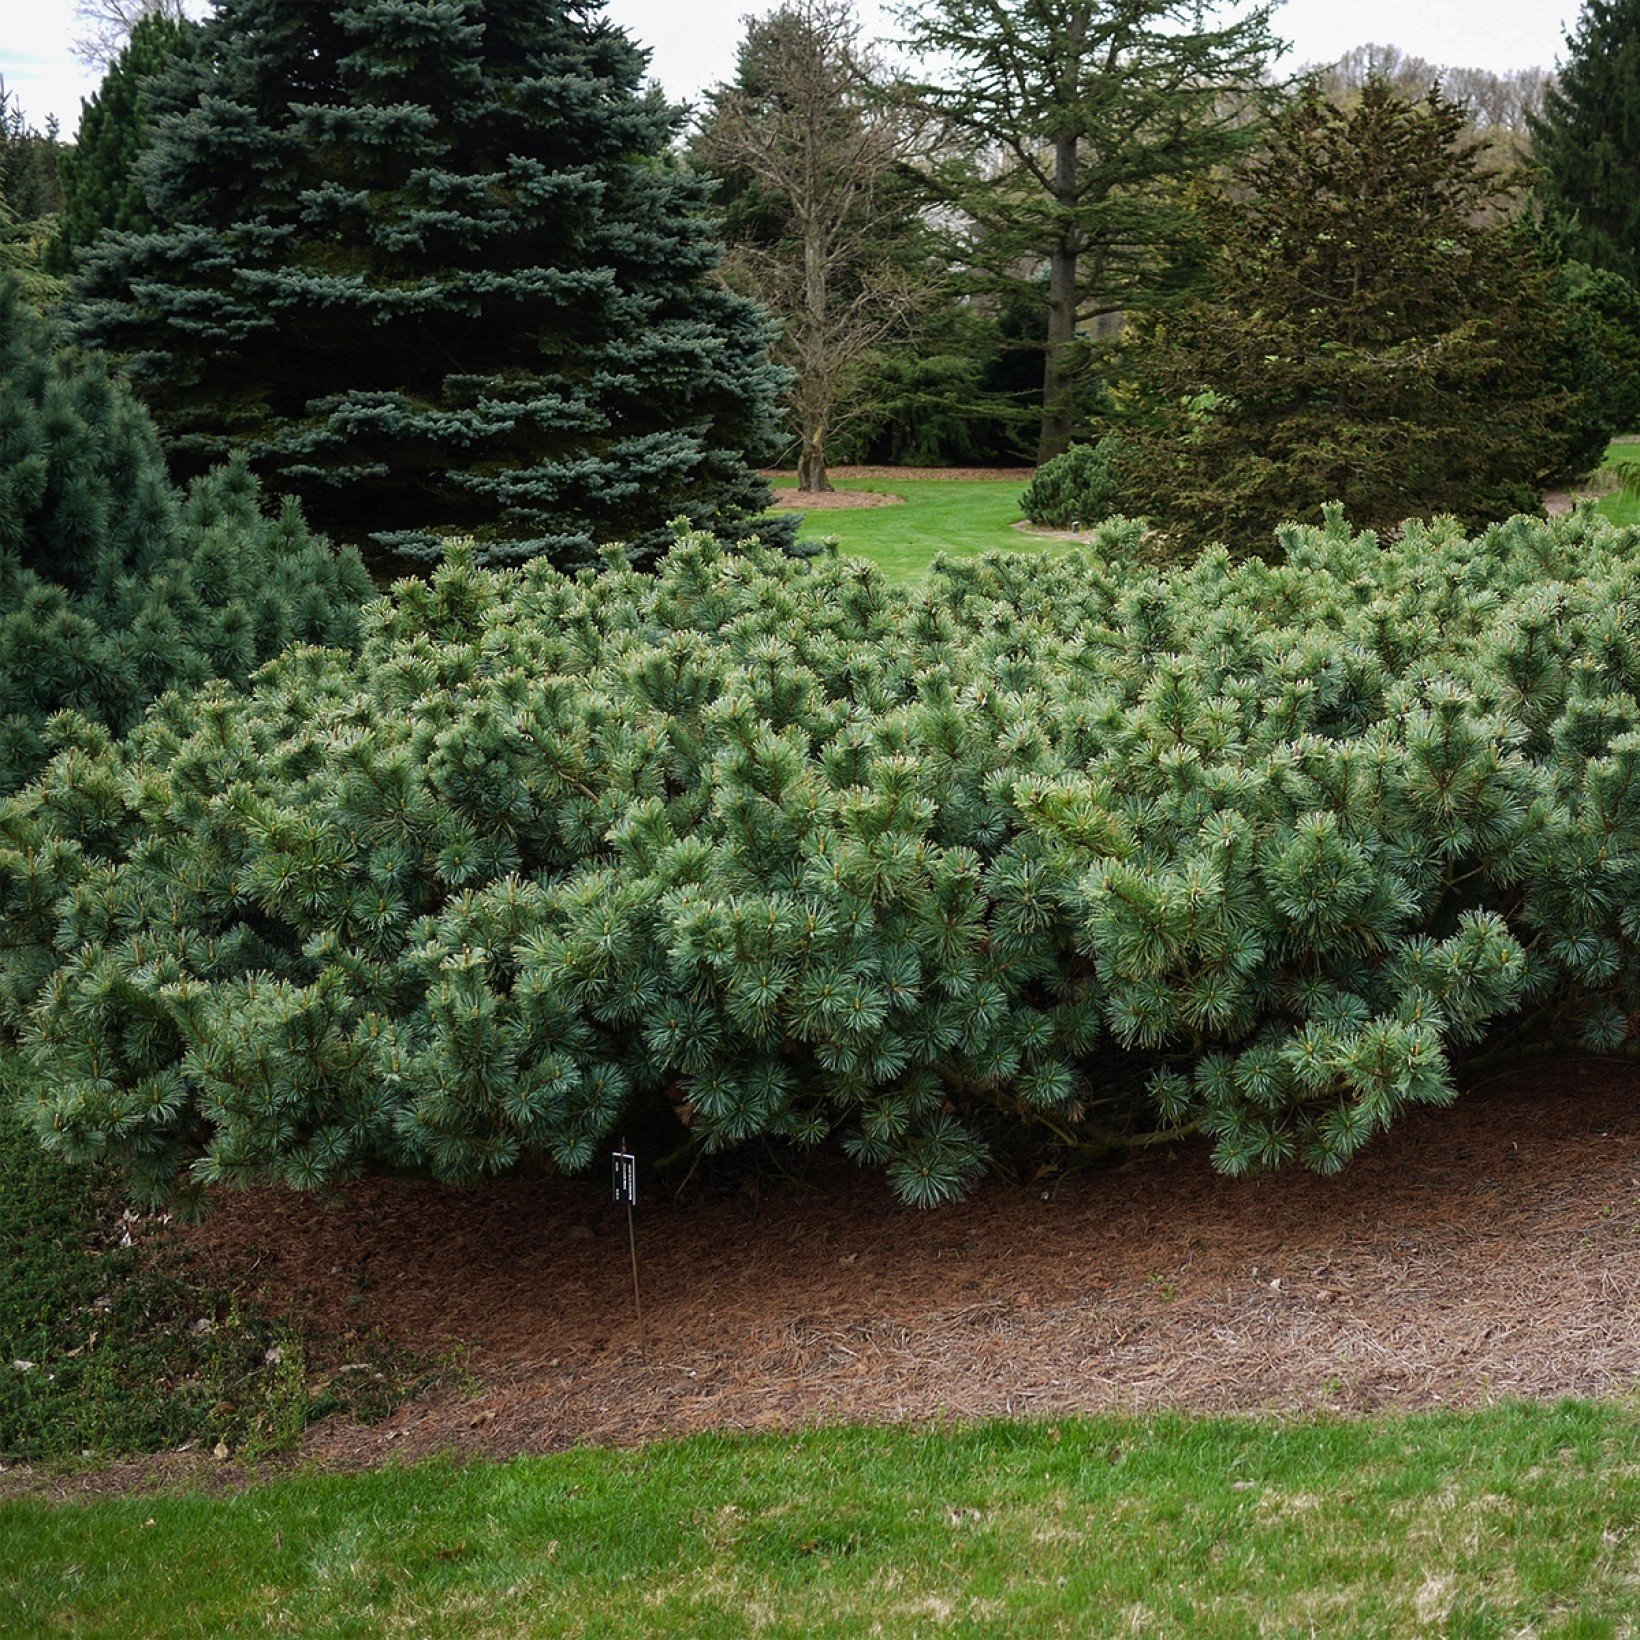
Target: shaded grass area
[956, 516]
[1508, 1521]
[108, 1346]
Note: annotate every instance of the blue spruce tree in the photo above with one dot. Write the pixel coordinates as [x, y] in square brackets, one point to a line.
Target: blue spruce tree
[429, 266]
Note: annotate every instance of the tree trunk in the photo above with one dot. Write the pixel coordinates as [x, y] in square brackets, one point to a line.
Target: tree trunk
[811, 461]
[813, 391]
[1057, 370]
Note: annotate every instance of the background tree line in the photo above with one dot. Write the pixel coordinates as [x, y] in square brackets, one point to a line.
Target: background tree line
[946, 259]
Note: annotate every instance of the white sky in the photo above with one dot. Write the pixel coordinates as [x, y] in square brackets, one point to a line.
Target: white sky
[693, 41]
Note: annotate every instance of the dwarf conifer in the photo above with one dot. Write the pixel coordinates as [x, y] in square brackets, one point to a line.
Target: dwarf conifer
[113, 588]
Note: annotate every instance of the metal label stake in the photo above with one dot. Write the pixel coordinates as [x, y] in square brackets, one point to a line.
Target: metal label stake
[624, 1188]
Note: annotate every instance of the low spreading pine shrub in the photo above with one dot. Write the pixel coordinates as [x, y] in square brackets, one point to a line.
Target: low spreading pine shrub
[1041, 847]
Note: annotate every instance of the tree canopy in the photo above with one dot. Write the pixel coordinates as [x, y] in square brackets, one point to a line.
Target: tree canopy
[1071, 128]
[1586, 140]
[101, 190]
[1368, 332]
[432, 269]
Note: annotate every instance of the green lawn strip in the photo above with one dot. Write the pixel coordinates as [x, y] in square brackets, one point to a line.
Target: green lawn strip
[1506, 1521]
[956, 516]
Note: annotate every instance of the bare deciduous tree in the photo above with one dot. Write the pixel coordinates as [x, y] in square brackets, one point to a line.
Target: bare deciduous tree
[1498, 105]
[107, 25]
[811, 160]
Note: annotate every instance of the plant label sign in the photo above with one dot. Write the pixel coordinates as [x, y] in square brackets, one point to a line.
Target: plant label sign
[624, 1178]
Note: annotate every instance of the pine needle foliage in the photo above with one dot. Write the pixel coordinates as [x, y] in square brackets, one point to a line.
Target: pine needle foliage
[1044, 847]
[1586, 140]
[431, 267]
[114, 588]
[101, 190]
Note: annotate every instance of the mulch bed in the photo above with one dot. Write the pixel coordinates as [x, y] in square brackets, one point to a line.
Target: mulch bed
[833, 500]
[1485, 1252]
[1015, 475]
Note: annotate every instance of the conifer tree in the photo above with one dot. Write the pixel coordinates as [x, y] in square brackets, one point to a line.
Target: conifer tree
[29, 199]
[113, 588]
[1587, 138]
[429, 266]
[1368, 332]
[98, 174]
[1073, 127]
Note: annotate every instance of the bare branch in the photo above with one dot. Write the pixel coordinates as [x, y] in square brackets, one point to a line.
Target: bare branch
[106, 25]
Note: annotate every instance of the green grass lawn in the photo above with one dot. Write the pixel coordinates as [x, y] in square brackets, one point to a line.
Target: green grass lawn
[956, 516]
[1515, 1520]
[960, 517]
[1621, 508]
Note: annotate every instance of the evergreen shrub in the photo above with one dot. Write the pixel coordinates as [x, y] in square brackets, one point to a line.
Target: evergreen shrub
[1040, 849]
[1368, 325]
[114, 588]
[1079, 487]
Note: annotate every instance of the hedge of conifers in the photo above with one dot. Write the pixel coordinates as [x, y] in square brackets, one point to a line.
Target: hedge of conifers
[1042, 850]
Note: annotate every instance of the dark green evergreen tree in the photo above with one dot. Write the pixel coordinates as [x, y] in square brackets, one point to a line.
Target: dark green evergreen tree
[1071, 129]
[429, 266]
[1369, 333]
[98, 174]
[113, 588]
[1587, 138]
[30, 196]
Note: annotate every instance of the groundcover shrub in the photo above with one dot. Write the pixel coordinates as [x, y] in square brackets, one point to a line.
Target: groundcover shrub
[1040, 848]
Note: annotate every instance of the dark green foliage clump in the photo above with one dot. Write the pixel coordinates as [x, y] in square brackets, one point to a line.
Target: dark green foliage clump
[112, 587]
[780, 851]
[100, 185]
[1586, 142]
[1079, 487]
[1604, 320]
[1369, 333]
[432, 270]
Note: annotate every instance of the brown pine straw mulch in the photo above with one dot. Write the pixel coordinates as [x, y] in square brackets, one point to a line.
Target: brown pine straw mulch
[1014, 475]
[1485, 1252]
[833, 500]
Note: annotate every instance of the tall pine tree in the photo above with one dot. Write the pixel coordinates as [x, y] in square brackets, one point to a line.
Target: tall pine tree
[1587, 139]
[429, 265]
[1072, 126]
[99, 181]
